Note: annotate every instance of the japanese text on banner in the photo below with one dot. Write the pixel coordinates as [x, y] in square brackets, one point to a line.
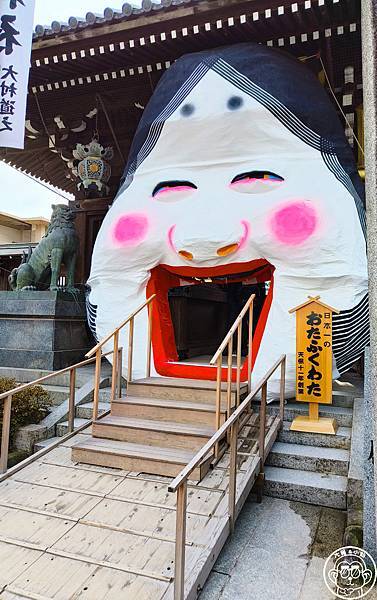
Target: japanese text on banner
[16, 31]
[314, 353]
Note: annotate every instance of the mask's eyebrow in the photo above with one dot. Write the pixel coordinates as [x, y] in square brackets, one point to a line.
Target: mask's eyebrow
[261, 175]
[175, 184]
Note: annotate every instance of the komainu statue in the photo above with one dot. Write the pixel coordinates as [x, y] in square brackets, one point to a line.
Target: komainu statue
[58, 247]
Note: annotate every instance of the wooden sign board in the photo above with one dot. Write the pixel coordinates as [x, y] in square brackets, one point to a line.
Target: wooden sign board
[314, 363]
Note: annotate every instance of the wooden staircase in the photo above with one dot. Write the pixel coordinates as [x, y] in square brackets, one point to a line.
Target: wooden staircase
[157, 428]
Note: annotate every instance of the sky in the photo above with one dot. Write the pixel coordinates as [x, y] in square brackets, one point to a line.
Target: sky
[20, 195]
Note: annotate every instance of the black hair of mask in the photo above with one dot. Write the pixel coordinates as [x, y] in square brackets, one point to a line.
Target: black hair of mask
[272, 74]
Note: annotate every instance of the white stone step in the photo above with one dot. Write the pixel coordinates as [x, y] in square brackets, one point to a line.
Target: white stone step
[42, 444]
[85, 411]
[343, 415]
[62, 428]
[309, 458]
[340, 399]
[58, 393]
[306, 486]
[342, 438]
[83, 374]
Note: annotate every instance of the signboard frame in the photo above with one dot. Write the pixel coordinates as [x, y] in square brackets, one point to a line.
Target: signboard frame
[314, 360]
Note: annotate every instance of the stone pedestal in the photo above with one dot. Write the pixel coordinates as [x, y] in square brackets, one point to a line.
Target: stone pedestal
[369, 62]
[369, 456]
[42, 330]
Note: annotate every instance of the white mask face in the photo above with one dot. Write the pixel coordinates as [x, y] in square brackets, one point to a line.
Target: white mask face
[226, 189]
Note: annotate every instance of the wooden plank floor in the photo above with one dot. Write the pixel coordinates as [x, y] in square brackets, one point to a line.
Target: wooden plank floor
[70, 531]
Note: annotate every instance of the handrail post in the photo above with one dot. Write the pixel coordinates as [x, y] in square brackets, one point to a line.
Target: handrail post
[114, 375]
[180, 542]
[250, 355]
[229, 381]
[130, 349]
[229, 378]
[149, 347]
[5, 434]
[72, 394]
[119, 381]
[262, 424]
[262, 436]
[239, 357]
[218, 398]
[233, 475]
[97, 377]
[282, 389]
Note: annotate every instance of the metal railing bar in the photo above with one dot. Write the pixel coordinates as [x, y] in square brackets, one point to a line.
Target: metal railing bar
[233, 475]
[232, 330]
[149, 347]
[223, 429]
[229, 376]
[72, 394]
[25, 386]
[114, 373]
[239, 358]
[218, 399]
[180, 543]
[40, 453]
[123, 324]
[250, 343]
[282, 389]
[130, 349]
[97, 379]
[5, 434]
[120, 363]
[262, 424]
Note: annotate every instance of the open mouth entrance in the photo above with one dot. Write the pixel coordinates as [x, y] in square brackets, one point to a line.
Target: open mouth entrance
[194, 310]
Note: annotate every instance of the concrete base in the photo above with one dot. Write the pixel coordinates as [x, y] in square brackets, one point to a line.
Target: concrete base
[321, 425]
[277, 552]
[42, 330]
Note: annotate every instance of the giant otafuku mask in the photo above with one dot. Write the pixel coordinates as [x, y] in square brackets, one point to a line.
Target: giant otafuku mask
[240, 167]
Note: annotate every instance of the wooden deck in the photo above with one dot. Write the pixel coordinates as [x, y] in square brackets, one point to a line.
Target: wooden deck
[71, 530]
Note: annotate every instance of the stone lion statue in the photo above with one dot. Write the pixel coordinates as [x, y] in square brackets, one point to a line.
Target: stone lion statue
[58, 246]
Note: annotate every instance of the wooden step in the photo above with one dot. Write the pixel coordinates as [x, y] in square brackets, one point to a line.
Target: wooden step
[152, 433]
[174, 388]
[137, 457]
[161, 409]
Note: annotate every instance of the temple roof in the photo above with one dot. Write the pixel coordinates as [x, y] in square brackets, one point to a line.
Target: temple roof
[110, 15]
[118, 57]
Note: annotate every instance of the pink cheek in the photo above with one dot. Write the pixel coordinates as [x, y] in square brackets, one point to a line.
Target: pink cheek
[130, 229]
[294, 223]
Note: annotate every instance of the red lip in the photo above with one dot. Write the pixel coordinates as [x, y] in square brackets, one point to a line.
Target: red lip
[165, 277]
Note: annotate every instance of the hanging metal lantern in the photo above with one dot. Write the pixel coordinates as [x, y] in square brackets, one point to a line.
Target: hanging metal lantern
[93, 168]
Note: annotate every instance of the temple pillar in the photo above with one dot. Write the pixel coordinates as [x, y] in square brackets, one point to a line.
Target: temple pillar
[369, 61]
[89, 216]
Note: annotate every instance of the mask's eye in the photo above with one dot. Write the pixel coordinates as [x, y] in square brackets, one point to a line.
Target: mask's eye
[173, 190]
[256, 182]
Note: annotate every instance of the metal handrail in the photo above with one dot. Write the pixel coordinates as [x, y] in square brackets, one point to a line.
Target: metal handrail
[37, 455]
[218, 360]
[191, 466]
[7, 397]
[25, 386]
[179, 484]
[117, 329]
[118, 355]
[232, 330]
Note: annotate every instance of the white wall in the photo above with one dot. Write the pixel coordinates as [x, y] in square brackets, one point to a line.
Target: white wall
[9, 235]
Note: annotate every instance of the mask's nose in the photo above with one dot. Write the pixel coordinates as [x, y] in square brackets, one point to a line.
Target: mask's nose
[223, 251]
[209, 245]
